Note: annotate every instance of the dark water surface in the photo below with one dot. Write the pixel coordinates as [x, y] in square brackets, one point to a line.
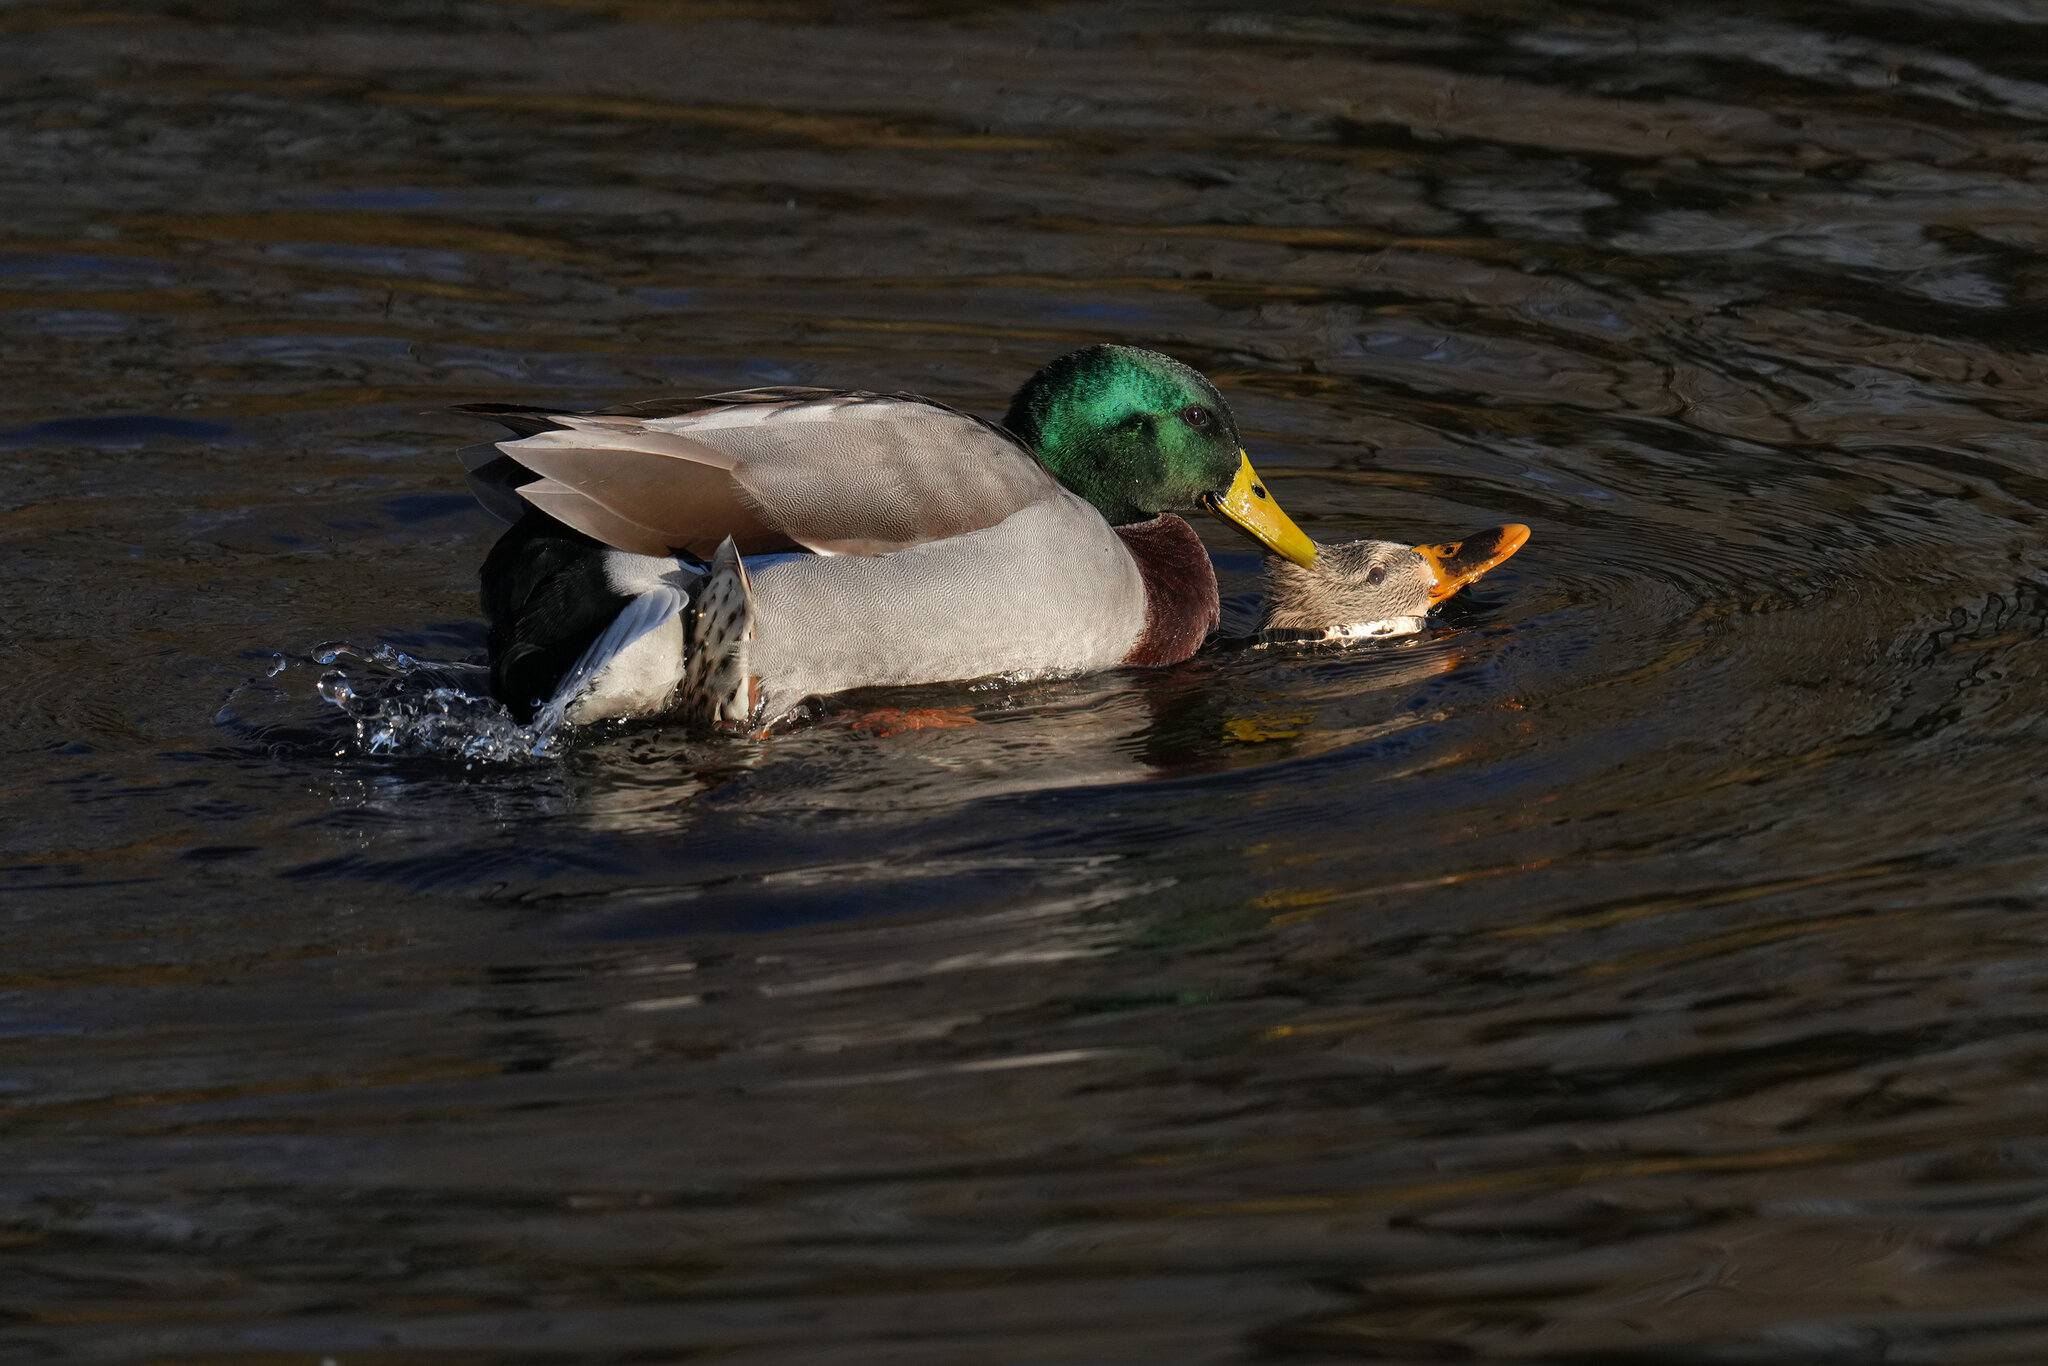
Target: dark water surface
[1648, 965]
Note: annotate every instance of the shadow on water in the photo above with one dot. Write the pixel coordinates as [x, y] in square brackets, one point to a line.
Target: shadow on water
[1644, 965]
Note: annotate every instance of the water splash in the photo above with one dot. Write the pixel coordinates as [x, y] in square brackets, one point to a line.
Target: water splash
[397, 705]
[402, 705]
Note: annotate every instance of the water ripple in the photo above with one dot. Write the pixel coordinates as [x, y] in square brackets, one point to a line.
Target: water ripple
[1641, 965]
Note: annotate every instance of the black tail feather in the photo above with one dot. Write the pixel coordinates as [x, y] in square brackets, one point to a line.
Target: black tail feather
[546, 598]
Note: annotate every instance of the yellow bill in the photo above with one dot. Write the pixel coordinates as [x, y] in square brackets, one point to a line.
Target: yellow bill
[1248, 505]
[1460, 562]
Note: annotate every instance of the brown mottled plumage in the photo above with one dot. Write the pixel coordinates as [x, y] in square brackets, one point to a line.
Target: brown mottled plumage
[1370, 588]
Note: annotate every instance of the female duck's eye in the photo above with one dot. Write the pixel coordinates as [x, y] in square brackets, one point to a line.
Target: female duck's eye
[1378, 573]
[1198, 417]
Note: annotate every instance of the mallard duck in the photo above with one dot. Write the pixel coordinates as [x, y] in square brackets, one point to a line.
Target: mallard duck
[725, 558]
[1363, 590]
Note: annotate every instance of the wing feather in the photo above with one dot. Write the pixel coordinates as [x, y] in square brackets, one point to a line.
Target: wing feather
[867, 475]
[679, 493]
[780, 469]
[496, 486]
[594, 519]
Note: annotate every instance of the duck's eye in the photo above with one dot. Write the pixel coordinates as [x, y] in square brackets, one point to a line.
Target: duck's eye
[1198, 417]
[1377, 574]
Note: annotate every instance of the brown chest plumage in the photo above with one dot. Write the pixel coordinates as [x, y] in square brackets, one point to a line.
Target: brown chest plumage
[1181, 607]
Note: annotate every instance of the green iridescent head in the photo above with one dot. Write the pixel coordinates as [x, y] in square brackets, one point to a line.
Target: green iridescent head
[1134, 432]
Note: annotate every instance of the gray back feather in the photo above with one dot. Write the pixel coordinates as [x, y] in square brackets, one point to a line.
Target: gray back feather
[864, 475]
[840, 473]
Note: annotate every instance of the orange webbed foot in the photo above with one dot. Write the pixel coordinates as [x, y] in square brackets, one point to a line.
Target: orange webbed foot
[888, 721]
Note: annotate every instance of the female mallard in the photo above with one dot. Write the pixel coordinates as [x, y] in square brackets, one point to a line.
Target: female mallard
[931, 545]
[1364, 590]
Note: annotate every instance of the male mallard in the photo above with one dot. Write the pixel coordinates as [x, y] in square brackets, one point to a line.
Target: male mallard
[646, 569]
[1367, 589]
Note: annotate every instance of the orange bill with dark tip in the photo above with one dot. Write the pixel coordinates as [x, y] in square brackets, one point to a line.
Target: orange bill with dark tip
[1460, 562]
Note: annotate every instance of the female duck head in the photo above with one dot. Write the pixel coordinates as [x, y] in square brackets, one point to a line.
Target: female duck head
[1137, 434]
[1364, 584]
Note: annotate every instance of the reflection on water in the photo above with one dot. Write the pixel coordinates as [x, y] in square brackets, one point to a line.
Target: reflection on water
[1643, 965]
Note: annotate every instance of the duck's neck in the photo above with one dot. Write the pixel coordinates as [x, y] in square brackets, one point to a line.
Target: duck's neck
[1181, 605]
[1110, 474]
